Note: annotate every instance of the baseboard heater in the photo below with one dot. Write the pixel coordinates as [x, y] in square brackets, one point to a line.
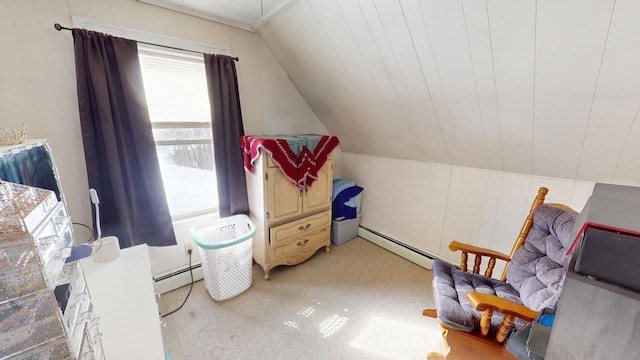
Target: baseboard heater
[408, 252]
[180, 277]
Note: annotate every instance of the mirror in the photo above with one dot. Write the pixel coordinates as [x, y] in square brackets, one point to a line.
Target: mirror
[29, 164]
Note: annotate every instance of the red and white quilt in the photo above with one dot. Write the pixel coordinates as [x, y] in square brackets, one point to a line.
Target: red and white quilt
[299, 157]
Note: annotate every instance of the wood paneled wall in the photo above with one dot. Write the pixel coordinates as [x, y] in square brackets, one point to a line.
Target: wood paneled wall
[538, 87]
[427, 205]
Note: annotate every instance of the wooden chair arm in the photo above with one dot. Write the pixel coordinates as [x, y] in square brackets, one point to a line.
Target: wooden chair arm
[458, 246]
[488, 303]
[482, 302]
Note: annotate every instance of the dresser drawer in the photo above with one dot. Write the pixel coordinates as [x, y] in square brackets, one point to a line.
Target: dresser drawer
[300, 243]
[18, 282]
[18, 253]
[28, 322]
[299, 227]
[34, 205]
[54, 230]
[54, 349]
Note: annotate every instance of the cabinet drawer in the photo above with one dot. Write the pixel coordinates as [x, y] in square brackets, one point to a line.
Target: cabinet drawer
[299, 227]
[52, 231]
[18, 253]
[28, 322]
[17, 282]
[54, 349]
[34, 206]
[300, 242]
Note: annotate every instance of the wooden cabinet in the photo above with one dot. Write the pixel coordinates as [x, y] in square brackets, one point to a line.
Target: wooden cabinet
[293, 223]
[284, 201]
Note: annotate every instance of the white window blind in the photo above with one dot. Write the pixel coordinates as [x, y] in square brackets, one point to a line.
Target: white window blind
[177, 98]
[175, 85]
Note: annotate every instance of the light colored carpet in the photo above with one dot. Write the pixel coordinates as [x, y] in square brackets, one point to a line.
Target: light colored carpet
[358, 301]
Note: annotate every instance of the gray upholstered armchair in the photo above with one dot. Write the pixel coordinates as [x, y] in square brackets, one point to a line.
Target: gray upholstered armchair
[479, 312]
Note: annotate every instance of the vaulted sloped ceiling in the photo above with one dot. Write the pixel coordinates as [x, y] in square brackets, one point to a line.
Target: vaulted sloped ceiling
[543, 87]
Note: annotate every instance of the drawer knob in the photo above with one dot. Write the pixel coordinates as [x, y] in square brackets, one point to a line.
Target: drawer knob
[302, 243]
[304, 227]
[47, 241]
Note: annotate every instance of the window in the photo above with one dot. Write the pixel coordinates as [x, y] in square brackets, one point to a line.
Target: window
[176, 89]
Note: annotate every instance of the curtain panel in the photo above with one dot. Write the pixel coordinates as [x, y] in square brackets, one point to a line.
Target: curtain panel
[122, 163]
[226, 118]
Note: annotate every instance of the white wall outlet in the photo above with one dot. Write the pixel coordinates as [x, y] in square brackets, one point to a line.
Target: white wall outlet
[188, 246]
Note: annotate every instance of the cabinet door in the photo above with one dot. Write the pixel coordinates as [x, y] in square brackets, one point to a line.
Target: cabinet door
[318, 196]
[284, 200]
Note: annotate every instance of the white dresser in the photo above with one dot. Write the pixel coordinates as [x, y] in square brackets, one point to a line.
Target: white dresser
[124, 299]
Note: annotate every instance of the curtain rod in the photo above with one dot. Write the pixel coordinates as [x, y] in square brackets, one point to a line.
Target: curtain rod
[60, 28]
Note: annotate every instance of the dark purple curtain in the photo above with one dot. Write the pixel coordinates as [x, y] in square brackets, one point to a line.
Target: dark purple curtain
[226, 117]
[122, 163]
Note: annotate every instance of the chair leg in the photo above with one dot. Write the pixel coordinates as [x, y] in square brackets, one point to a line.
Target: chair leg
[485, 322]
[464, 346]
[436, 356]
[445, 345]
[505, 327]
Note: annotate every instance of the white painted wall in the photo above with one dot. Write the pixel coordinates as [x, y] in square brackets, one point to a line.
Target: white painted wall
[427, 205]
[37, 85]
[379, 75]
[546, 88]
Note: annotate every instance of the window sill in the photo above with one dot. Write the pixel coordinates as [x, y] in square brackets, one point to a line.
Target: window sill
[177, 219]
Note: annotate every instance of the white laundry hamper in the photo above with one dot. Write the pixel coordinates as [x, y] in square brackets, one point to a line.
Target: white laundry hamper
[226, 250]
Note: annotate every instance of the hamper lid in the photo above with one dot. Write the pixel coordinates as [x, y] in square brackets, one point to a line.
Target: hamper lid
[223, 232]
